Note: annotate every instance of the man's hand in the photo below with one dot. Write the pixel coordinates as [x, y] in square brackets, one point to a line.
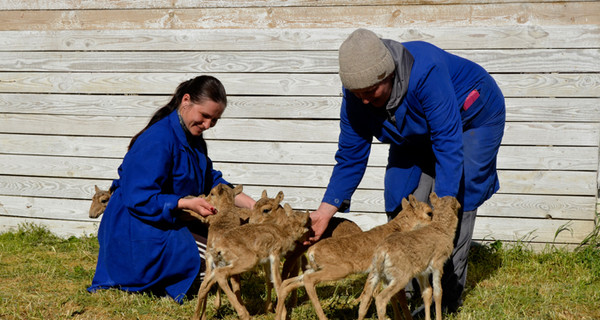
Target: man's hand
[319, 221]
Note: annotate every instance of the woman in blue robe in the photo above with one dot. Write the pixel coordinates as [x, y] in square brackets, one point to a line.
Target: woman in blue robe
[147, 244]
[443, 117]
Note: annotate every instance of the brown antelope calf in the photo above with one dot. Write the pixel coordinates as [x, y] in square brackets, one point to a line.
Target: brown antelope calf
[242, 248]
[337, 257]
[404, 255]
[99, 202]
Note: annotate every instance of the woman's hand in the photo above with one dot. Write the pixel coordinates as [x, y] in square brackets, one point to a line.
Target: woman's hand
[198, 205]
[319, 220]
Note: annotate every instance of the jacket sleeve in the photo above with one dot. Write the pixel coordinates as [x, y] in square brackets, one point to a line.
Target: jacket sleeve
[146, 169]
[216, 177]
[441, 109]
[354, 147]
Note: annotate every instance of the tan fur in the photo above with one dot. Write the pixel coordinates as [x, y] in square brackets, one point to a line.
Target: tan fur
[296, 260]
[335, 258]
[229, 216]
[99, 202]
[265, 210]
[241, 249]
[420, 253]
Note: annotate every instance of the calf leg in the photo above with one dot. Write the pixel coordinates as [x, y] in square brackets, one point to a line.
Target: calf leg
[367, 295]
[426, 293]
[382, 299]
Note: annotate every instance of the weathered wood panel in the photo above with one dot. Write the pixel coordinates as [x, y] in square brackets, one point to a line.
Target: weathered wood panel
[63, 228]
[55, 193]
[510, 157]
[516, 133]
[494, 61]
[484, 37]
[521, 182]
[391, 16]
[529, 231]
[265, 107]
[512, 85]
[169, 4]
[79, 78]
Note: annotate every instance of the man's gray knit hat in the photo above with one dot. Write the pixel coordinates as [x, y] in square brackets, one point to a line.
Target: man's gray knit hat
[364, 60]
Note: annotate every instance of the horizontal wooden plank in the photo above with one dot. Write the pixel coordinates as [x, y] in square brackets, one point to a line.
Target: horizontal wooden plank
[510, 157]
[525, 230]
[59, 188]
[526, 133]
[90, 105]
[516, 133]
[67, 167]
[547, 158]
[539, 206]
[553, 109]
[499, 60]
[170, 4]
[486, 228]
[393, 16]
[53, 192]
[45, 208]
[500, 205]
[166, 83]
[50, 145]
[526, 182]
[522, 133]
[61, 228]
[248, 107]
[483, 37]
[529, 182]
[182, 61]
[512, 85]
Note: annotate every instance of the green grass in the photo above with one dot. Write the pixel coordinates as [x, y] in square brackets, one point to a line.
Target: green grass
[43, 276]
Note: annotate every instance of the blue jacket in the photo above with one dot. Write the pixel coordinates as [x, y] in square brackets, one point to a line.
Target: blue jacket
[143, 246]
[429, 132]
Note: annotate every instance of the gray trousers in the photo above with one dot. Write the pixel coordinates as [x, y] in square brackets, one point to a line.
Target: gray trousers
[455, 269]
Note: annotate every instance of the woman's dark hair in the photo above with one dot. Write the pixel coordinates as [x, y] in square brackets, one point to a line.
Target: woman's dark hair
[200, 88]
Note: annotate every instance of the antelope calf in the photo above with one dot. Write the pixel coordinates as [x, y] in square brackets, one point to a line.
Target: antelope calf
[337, 257]
[242, 248]
[420, 253]
[99, 202]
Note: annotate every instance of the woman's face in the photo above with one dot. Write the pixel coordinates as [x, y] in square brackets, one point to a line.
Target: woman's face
[199, 117]
[377, 95]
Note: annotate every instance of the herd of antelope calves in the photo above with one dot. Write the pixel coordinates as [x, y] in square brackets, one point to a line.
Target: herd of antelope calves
[415, 244]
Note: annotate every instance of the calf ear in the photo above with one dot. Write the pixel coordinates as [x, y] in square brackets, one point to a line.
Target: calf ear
[288, 209]
[238, 189]
[279, 197]
[433, 198]
[413, 201]
[405, 203]
[457, 205]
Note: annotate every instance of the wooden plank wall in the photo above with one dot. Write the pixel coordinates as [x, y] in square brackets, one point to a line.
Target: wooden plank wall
[78, 78]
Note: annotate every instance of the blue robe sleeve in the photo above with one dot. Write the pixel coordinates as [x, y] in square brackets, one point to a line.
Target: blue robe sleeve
[146, 169]
[354, 147]
[442, 112]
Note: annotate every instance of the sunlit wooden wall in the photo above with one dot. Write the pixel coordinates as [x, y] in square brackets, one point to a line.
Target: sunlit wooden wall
[78, 78]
